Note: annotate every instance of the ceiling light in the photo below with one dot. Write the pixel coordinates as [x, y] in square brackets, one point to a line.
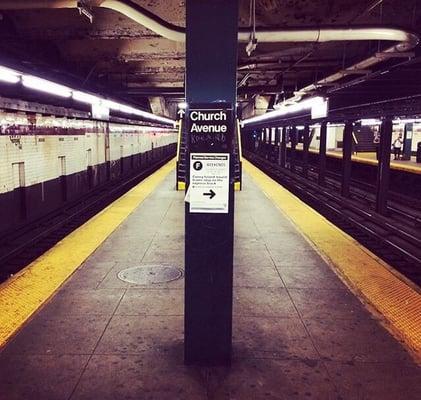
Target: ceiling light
[127, 109]
[43, 85]
[85, 97]
[406, 121]
[182, 105]
[288, 109]
[8, 75]
[112, 105]
[100, 106]
[370, 121]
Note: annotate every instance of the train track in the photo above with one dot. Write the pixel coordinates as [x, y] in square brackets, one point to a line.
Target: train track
[395, 238]
[21, 246]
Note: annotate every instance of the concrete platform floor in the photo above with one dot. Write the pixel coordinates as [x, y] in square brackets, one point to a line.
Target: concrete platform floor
[298, 332]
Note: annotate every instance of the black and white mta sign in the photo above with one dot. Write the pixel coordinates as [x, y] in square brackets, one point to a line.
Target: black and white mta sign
[209, 127]
[209, 182]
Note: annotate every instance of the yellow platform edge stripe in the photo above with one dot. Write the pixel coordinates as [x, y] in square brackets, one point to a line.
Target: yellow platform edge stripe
[23, 294]
[398, 304]
[181, 185]
[414, 169]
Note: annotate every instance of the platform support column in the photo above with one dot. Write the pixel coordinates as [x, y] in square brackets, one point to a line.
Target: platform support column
[275, 150]
[283, 148]
[383, 169]
[211, 67]
[346, 159]
[267, 143]
[322, 154]
[293, 136]
[306, 145]
[407, 141]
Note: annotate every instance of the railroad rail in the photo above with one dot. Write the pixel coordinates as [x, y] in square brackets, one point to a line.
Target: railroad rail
[23, 245]
[396, 238]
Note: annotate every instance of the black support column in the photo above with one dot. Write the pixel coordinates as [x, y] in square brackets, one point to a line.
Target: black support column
[306, 145]
[283, 149]
[278, 145]
[322, 154]
[346, 159]
[383, 170]
[211, 63]
[293, 136]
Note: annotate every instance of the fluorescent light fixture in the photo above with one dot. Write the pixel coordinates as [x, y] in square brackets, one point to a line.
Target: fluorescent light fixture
[127, 109]
[131, 110]
[8, 75]
[112, 105]
[42, 85]
[370, 122]
[406, 121]
[100, 106]
[182, 105]
[299, 127]
[335, 125]
[85, 97]
[283, 109]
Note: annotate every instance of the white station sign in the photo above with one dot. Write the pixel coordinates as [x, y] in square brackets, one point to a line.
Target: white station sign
[209, 182]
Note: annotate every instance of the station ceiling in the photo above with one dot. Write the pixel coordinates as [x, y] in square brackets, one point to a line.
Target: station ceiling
[128, 60]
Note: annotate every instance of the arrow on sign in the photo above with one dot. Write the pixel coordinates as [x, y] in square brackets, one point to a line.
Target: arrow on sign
[181, 113]
[211, 194]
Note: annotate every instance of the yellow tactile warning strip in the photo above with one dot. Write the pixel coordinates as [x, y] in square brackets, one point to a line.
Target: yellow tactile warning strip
[24, 293]
[181, 185]
[369, 277]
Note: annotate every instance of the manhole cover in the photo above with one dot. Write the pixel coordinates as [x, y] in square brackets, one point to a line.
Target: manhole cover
[147, 274]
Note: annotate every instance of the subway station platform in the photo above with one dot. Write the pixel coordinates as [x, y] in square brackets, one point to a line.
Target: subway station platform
[299, 332]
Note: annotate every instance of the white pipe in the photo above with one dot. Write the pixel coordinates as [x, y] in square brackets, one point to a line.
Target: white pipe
[170, 32]
[178, 34]
[328, 35]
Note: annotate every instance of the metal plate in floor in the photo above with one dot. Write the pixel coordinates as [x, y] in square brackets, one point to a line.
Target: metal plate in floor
[150, 274]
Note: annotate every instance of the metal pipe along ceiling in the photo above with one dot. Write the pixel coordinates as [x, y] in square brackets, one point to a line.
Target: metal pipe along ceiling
[406, 40]
[178, 34]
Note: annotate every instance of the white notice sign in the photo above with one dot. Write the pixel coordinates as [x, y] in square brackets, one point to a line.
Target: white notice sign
[209, 182]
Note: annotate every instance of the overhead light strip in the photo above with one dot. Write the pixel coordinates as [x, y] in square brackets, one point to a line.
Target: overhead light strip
[317, 105]
[8, 75]
[43, 85]
[11, 76]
